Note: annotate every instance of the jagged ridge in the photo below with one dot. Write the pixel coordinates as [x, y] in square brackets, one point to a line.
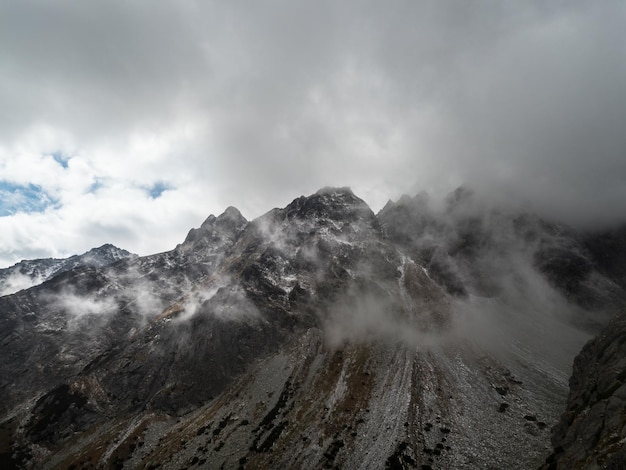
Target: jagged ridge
[317, 335]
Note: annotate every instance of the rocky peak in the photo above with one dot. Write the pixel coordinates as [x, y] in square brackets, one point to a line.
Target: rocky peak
[231, 216]
[287, 248]
[231, 219]
[226, 226]
[338, 204]
[101, 256]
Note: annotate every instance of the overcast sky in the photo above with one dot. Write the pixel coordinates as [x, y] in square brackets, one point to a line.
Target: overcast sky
[131, 122]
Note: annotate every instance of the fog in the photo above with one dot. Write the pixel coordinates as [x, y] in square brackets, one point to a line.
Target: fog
[474, 273]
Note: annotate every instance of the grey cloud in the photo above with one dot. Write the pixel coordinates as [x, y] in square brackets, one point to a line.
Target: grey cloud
[523, 100]
[85, 66]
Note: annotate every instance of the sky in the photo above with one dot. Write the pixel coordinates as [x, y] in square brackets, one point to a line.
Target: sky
[130, 122]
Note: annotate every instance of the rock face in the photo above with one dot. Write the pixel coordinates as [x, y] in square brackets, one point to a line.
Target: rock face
[319, 335]
[592, 431]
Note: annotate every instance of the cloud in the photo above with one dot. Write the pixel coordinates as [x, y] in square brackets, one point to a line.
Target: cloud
[84, 312]
[16, 282]
[251, 105]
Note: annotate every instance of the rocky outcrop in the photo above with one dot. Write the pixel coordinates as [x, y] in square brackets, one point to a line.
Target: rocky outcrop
[592, 431]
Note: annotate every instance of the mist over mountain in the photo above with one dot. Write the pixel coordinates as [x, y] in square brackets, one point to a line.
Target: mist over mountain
[322, 335]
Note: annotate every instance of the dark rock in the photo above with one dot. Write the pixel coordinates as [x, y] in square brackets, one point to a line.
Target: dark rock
[591, 431]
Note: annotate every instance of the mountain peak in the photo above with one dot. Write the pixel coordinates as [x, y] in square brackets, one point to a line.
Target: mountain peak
[229, 222]
[232, 214]
[109, 251]
[330, 203]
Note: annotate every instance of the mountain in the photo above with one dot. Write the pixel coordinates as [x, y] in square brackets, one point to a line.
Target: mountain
[319, 335]
[29, 273]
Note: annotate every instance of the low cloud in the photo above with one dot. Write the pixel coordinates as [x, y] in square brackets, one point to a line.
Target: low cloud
[16, 282]
[192, 303]
[84, 312]
[370, 318]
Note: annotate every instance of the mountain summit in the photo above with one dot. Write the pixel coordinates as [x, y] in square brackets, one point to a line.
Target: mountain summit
[319, 335]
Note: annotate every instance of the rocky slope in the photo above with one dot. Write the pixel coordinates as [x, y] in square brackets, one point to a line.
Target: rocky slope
[320, 335]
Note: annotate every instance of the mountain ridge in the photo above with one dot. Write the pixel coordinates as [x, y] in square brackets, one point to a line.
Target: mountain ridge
[28, 273]
[317, 335]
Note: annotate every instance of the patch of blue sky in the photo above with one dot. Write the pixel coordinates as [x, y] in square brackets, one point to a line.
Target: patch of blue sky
[157, 189]
[95, 186]
[29, 198]
[61, 158]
